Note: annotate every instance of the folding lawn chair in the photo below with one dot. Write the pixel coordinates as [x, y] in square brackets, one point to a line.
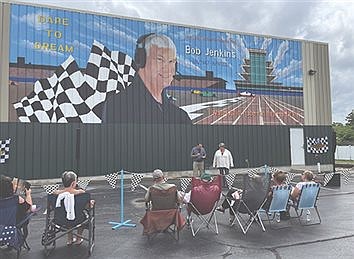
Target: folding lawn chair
[307, 201]
[163, 214]
[12, 234]
[203, 202]
[254, 194]
[278, 202]
[57, 225]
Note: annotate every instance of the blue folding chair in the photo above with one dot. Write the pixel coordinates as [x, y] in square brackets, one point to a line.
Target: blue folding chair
[13, 234]
[279, 202]
[307, 201]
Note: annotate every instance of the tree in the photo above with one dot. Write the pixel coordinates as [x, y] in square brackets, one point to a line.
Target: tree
[350, 119]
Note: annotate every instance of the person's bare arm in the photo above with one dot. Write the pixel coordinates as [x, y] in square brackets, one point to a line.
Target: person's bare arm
[295, 193]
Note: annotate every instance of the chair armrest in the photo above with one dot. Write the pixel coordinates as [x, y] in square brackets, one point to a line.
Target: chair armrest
[28, 217]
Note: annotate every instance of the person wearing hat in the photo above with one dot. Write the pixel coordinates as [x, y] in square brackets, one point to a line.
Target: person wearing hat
[159, 183]
[198, 155]
[223, 160]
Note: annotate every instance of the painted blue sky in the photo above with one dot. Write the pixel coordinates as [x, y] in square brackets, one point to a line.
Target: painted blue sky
[121, 34]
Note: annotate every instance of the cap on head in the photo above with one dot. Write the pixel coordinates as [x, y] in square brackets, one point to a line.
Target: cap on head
[157, 174]
[222, 144]
[205, 177]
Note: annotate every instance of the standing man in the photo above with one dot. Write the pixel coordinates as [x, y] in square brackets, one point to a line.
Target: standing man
[198, 155]
[223, 161]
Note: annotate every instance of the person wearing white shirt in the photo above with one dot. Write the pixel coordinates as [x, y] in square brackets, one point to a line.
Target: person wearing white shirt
[223, 160]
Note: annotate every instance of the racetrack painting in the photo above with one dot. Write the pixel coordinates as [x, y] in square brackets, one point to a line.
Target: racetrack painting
[241, 110]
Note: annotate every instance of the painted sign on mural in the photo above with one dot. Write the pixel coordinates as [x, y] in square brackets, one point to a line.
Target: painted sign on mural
[76, 67]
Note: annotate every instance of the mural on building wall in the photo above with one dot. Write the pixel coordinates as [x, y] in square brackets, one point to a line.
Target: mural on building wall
[75, 67]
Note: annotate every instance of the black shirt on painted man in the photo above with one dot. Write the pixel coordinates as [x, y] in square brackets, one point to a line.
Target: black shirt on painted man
[135, 104]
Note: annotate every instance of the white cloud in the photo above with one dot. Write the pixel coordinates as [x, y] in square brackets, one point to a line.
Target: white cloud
[283, 48]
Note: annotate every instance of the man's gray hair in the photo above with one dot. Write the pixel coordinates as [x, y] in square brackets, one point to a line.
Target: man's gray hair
[68, 177]
[159, 40]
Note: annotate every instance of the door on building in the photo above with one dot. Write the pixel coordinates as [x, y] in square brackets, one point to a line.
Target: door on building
[297, 146]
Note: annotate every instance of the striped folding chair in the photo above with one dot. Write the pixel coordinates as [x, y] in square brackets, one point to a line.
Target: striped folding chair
[307, 202]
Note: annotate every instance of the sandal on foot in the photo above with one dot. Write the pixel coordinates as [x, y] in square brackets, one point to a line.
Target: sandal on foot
[79, 241]
[71, 242]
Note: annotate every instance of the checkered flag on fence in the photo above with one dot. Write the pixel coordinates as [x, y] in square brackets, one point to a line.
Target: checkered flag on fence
[4, 150]
[135, 180]
[327, 177]
[185, 182]
[289, 178]
[50, 188]
[83, 183]
[230, 178]
[70, 96]
[112, 179]
[317, 145]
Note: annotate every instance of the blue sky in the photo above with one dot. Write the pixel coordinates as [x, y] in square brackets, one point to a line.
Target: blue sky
[121, 34]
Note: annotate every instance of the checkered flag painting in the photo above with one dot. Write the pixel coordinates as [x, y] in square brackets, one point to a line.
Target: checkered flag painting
[317, 145]
[230, 178]
[185, 182]
[4, 150]
[327, 178]
[112, 179]
[83, 183]
[49, 189]
[70, 96]
[136, 180]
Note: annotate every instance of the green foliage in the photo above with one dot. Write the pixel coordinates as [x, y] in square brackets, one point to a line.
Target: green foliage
[345, 133]
[350, 119]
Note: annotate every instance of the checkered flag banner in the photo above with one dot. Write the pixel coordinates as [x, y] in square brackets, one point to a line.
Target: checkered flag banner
[185, 182]
[252, 172]
[70, 96]
[327, 178]
[289, 178]
[4, 150]
[345, 174]
[317, 145]
[136, 180]
[273, 170]
[230, 178]
[49, 189]
[112, 179]
[83, 183]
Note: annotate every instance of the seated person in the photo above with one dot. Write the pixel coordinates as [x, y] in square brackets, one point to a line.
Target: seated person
[8, 189]
[234, 196]
[186, 196]
[278, 179]
[69, 180]
[307, 178]
[159, 183]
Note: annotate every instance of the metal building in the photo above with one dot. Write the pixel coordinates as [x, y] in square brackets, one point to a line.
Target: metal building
[98, 93]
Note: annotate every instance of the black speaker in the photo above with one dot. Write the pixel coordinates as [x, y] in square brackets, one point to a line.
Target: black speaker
[140, 51]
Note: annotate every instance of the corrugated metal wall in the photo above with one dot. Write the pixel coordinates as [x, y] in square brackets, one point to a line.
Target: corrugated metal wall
[317, 90]
[46, 150]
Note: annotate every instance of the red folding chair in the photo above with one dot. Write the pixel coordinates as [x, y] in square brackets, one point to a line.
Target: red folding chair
[203, 202]
[163, 215]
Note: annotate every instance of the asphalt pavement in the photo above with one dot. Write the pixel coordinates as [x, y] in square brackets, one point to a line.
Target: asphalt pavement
[332, 239]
